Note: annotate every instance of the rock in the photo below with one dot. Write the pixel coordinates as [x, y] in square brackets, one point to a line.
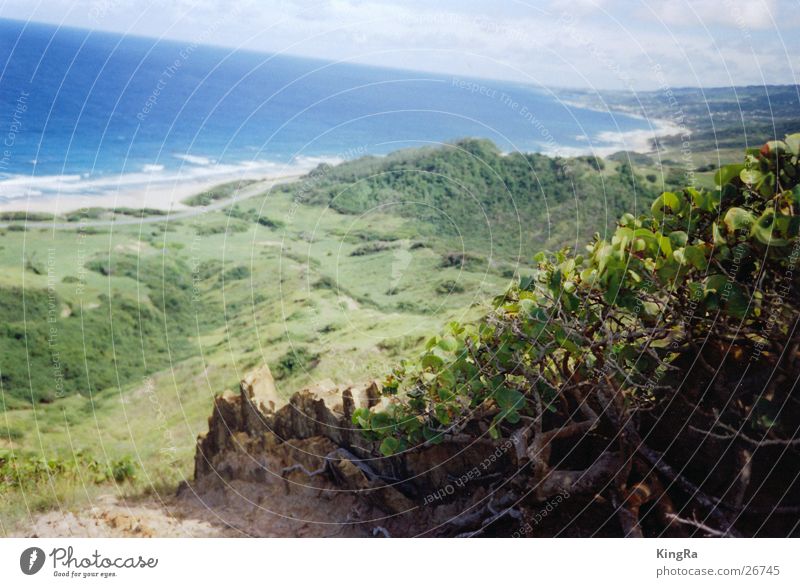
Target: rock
[379, 494]
[309, 450]
[260, 386]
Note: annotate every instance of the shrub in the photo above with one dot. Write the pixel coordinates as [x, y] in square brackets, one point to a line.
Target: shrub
[372, 248]
[449, 286]
[220, 192]
[597, 348]
[27, 471]
[297, 360]
[270, 223]
[235, 273]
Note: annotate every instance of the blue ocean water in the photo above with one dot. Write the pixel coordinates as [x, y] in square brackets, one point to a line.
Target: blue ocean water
[78, 106]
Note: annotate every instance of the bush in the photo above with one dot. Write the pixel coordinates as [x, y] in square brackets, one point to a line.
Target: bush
[449, 287]
[27, 471]
[26, 216]
[372, 248]
[297, 360]
[643, 336]
[270, 223]
[231, 227]
[654, 276]
[235, 273]
[11, 434]
[220, 192]
[92, 352]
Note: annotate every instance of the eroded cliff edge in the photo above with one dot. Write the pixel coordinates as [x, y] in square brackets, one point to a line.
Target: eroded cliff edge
[272, 467]
[304, 463]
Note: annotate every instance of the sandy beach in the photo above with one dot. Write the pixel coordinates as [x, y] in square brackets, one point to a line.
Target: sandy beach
[154, 188]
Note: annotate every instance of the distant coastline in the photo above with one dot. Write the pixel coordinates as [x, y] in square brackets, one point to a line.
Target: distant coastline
[157, 189]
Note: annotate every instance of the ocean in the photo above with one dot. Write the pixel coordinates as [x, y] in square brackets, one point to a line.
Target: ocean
[87, 114]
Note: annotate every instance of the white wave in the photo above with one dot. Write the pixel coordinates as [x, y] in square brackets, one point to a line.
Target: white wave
[606, 143]
[195, 159]
[154, 186]
[637, 140]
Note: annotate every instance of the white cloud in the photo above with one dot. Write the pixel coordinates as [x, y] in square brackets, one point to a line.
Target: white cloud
[743, 14]
[605, 43]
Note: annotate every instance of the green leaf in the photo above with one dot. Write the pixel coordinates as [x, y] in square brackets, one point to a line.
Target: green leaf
[751, 176]
[763, 230]
[736, 302]
[509, 398]
[381, 422]
[738, 219]
[442, 414]
[696, 255]
[389, 446]
[432, 362]
[665, 245]
[361, 417]
[793, 142]
[715, 283]
[447, 377]
[447, 344]
[704, 200]
[527, 305]
[666, 200]
[678, 238]
[718, 238]
[726, 174]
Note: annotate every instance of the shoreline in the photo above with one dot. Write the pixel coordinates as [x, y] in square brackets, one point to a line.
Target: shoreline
[184, 211]
[60, 195]
[641, 139]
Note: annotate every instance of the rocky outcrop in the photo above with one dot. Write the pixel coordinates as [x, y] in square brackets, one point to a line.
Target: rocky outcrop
[270, 466]
[272, 455]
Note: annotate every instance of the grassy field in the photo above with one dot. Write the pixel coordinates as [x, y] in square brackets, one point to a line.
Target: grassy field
[118, 338]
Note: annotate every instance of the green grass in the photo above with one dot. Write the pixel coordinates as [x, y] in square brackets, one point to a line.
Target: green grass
[153, 321]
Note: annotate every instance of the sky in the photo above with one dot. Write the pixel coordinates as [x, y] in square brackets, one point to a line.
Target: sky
[606, 44]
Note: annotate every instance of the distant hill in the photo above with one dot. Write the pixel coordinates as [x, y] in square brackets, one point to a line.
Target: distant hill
[508, 204]
[726, 117]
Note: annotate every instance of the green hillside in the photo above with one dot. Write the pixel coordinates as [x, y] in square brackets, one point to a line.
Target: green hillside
[116, 337]
[471, 192]
[90, 309]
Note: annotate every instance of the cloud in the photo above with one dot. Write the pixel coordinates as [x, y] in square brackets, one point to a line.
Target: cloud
[603, 43]
[743, 14]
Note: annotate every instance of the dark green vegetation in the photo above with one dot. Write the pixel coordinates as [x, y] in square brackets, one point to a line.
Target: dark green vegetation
[51, 348]
[499, 205]
[666, 355]
[23, 216]
[220, 192]
[30, 472]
